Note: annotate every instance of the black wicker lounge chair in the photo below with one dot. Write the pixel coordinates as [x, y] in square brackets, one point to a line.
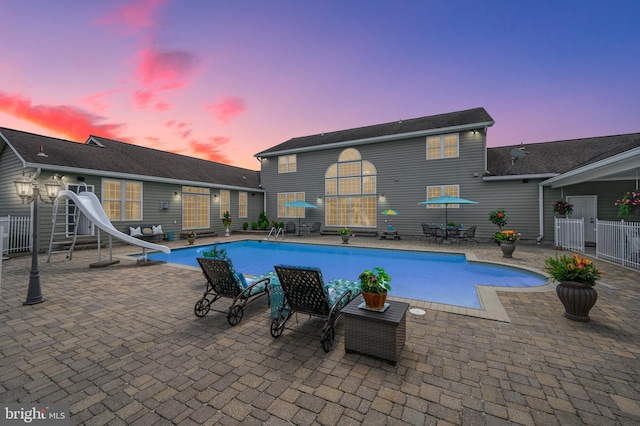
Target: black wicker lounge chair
[222, 281]
[305, 292]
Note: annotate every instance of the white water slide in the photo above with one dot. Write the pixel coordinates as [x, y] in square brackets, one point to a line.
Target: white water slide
[90, 206]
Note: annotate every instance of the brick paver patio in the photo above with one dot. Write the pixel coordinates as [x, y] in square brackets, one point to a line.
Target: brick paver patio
[121, 345]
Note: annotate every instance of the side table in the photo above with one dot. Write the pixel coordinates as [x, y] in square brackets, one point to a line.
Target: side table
[378, 334]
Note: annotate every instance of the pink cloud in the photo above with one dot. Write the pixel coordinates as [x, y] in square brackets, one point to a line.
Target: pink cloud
[186, 134]
[65, 120]
[134, 15]
[210, 151]
[162, 106]
[97, 101]
[229, 108]
[169, 67]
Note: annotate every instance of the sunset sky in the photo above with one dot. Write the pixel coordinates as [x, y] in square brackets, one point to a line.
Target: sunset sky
[225, 79]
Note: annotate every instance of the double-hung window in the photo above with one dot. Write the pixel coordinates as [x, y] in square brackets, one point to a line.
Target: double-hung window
[242, 204]
[442, 146]
[122, 199]
[225, 202]
[287, 164]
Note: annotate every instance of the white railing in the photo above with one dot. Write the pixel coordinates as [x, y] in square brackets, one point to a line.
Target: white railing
[618, 242]
[17, 233]
[569, 234]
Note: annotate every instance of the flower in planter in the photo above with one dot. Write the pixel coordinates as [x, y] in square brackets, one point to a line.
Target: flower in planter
[507, 235]
[375, 281]
[629, 200]
[562, 207]
[498, 217]
[345, 232]
[191, 234]
[572, 268]
[226, 219]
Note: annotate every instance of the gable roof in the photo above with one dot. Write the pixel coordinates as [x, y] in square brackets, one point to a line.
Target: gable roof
[557, 157]
[106, 157]
[453, 121]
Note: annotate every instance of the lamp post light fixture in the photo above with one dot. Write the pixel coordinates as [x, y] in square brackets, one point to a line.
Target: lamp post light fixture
[28, 190]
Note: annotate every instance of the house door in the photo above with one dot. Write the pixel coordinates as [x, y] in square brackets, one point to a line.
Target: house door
[585, 207]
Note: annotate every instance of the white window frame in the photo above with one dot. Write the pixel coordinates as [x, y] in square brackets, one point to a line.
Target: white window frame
[123, 199]
[290, 163]
[442, 146]
[243, 204]
[225, 202]
[202, 200]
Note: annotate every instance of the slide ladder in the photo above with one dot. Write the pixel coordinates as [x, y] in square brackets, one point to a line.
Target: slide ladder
[65, 242]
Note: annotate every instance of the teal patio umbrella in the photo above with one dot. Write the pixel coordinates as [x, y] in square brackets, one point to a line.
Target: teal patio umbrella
[446, 200]
[390, 212]
[302, 204]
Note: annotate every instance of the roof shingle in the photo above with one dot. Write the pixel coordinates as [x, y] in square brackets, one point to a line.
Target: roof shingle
[441, 121]
[120, 157]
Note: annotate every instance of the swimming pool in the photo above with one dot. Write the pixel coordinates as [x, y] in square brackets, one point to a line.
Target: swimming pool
[436, 277]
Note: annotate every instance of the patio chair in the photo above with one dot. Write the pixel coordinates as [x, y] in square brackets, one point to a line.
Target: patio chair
[305, 292]
[223, 281]
[315, 228]
[469, 236]
[290, 228]
[427, 232]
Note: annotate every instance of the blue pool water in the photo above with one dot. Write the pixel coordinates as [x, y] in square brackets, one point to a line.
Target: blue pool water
[435, 277]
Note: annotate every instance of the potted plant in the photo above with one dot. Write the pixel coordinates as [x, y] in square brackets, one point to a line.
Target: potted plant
[375, 285]
[191, 237]
[562, 207]
[226, 221]
[629, 204]
[576, 278]
[498, 217]
[214, 253]
[507, 240]
[345, 233]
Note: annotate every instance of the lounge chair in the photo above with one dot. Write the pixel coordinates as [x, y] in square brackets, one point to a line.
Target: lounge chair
[290, 228]
[223, 281]
[305, 292]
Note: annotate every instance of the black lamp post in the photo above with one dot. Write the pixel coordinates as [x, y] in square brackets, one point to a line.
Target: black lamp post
[28, 190]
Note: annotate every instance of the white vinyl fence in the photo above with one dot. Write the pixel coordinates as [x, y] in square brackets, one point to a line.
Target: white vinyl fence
[17, 233]
[618, 242]
[569, 234]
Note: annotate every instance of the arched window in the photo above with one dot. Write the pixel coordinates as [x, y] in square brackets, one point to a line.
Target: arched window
[350, 191]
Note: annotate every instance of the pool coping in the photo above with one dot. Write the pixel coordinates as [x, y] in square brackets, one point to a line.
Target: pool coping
[491, 307]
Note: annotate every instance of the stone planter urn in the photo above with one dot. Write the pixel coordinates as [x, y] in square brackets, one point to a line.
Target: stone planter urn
[577, 298]
[191, 240]
[507, 247]
[345, 239]
[226, 232]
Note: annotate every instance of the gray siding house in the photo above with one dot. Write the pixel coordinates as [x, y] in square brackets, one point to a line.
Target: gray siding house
[353, 175]
[136, 185]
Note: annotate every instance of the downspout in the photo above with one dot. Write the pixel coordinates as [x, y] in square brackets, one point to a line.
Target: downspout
[540, 213]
